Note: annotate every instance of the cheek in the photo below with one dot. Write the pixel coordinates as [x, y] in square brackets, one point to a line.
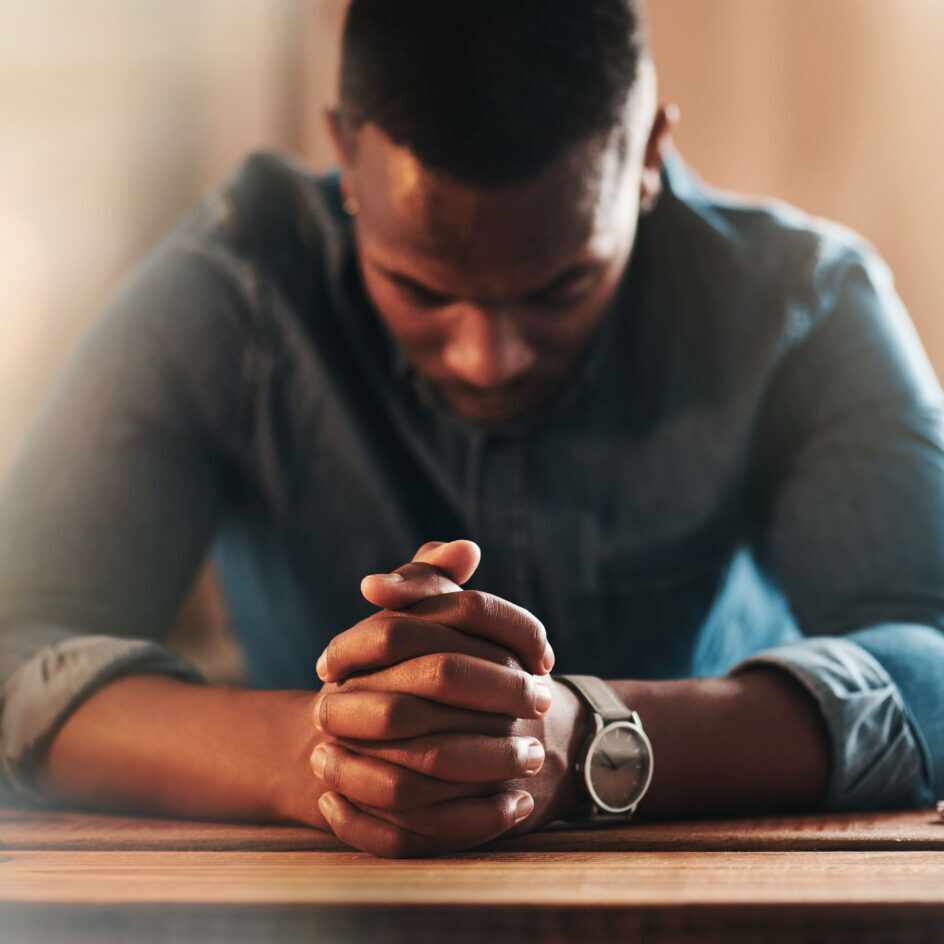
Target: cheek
[566, 333]
[418, 331]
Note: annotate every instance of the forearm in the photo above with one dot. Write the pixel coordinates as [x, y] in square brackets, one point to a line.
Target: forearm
[155, 744]
[754, 741]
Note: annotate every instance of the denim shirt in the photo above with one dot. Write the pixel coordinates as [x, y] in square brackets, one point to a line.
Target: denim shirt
[744, 468]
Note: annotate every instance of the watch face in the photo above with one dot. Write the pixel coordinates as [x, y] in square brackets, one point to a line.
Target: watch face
[619, 766]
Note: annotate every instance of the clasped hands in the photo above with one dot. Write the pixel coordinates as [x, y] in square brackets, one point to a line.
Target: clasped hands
[440, 726]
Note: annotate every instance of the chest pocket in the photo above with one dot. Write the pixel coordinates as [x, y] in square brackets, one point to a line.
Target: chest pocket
[645, 625]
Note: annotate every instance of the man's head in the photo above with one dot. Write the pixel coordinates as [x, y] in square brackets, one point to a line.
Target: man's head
[498, 151]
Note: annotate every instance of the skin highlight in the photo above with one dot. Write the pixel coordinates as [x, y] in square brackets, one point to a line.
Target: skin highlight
[494, 292]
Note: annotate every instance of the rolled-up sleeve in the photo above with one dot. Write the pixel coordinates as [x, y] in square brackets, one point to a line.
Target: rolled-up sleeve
[850, 527]
[36, 700]
[877, 756]
[116, 497]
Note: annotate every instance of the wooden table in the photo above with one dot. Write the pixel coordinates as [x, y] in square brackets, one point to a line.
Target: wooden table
[851, 878]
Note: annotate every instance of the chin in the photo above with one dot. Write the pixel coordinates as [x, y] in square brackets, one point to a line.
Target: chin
[495, 412]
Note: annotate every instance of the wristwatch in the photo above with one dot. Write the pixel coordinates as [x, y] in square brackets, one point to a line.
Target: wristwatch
[614, 766]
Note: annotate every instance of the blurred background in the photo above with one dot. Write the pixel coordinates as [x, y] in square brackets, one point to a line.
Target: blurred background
[116, 115]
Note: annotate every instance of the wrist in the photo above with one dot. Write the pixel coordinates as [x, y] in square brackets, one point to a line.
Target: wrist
[567, 732]
[614, 765]
[297, 789]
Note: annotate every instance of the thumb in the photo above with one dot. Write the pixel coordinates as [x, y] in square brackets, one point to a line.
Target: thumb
[436, 568]
[458, 560]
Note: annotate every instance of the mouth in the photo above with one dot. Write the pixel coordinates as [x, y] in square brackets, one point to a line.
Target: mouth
[496, 405]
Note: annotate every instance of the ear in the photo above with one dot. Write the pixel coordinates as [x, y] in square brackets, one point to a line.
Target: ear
[343, 139]
[659, 137]
[341, 136]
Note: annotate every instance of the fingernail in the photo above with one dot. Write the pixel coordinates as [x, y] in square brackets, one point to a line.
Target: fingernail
[321, 666]
[389, 579]
[548, 658]
[542, 696]
[535, 757]
[330, 808]
[523, 807]
[319, 758]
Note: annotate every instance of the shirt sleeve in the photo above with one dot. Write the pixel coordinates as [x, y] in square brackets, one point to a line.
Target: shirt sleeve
[850, 526]
[877, 761]
[116, 496]
[40, 696]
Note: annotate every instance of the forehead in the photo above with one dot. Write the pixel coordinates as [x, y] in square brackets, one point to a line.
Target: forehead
[434, 226]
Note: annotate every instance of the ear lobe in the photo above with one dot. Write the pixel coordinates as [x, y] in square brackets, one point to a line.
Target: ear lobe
[650, 189]
[659, 138]
[342, 143]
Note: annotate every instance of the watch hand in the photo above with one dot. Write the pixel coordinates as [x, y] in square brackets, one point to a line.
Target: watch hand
[609, 762]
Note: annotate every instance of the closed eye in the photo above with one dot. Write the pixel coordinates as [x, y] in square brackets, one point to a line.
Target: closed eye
[415, 292]
[568, 288]
[420, 295]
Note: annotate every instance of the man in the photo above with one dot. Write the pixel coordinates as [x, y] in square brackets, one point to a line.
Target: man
[695, 442]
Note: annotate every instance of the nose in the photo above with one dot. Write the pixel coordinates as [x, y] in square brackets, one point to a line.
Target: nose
[486, 349]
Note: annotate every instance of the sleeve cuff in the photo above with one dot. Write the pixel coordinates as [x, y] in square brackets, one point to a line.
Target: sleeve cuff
[38, 698]
[876, 760]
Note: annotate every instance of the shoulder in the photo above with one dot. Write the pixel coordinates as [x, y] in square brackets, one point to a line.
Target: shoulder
[272, 223]
[742, 247]
[272, 203]
[751, 279]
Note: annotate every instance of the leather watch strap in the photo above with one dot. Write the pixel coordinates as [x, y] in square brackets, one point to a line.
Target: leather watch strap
[601, 698]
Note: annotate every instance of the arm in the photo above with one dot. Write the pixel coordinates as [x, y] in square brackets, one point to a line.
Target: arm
[849, 500]
[109, 509]
[847, 505]
[153, 744]
[755, 741]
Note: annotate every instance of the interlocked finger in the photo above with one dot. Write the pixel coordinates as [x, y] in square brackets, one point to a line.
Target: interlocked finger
[463, 682]
[387, 638]
[471, 758]
[495, 619]
[434, 830]
[391, 716]
[380, 784]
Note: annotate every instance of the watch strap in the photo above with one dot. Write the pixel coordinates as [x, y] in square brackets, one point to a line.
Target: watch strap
[598, 695]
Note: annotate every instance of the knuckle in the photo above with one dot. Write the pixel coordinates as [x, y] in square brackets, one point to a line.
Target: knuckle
[475, 605]
[399, 846]
[390, 717]
[441, 672]
[353, 683]
[504, 813]
[431, 760]
[417, 570]
[508, 661]
[397, 791]
[387, 636]
[524, 690]
[516, 756]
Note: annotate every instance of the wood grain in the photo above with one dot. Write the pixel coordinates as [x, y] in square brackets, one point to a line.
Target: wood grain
[43, 829]
[81, 878]
[546, 879]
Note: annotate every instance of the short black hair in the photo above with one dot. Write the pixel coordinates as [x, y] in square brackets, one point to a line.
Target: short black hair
[490, 91]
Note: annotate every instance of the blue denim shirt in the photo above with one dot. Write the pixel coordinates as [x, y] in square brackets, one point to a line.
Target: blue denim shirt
[745, 467]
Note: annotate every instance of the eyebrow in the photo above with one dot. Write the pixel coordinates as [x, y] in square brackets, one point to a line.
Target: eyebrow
[572, 274]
